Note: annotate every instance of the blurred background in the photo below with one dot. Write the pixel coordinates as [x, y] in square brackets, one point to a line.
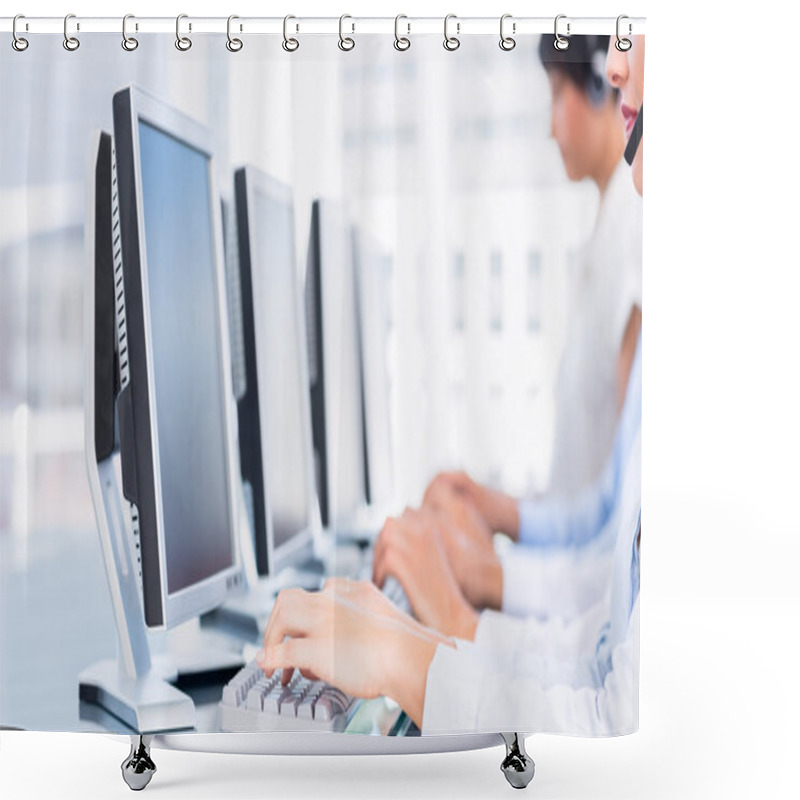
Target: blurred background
[445, 160]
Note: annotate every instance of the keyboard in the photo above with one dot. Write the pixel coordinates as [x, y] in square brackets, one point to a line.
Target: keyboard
[393, 589]
[253, 702]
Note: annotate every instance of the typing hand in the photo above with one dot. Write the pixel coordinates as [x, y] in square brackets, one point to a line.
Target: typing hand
[469, 545]
[410, 549]
[351, 636]
[471, 555]
[497, 510]
[331, 635]
[367, 596]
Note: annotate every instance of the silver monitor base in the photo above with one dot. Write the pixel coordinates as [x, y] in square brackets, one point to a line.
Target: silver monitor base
[149, 702]
[146, 703]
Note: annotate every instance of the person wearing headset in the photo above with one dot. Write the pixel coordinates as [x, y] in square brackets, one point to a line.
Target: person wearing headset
[606, 286]
[593, 373]
[350, 635]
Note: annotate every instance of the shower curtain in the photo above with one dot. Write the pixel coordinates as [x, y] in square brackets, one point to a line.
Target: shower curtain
[503, 310]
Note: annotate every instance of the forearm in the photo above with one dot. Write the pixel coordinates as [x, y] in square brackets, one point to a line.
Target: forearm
[467, 624]
[412, 651]
[566, 521]
[488, 591]
[501, 513]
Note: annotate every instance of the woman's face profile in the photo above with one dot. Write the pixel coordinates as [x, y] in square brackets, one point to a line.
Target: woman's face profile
[625, 71]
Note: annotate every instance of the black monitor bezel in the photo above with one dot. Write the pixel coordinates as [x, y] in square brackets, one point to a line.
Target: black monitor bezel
[137, 411]
[253, 443]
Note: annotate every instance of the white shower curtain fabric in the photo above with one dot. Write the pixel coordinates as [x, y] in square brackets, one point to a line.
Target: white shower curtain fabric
[506, 289]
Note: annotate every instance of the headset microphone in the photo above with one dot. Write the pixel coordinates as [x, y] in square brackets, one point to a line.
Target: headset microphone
[635, 138]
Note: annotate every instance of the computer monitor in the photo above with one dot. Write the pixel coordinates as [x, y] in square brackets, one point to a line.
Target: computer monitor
[234, 291]
[274, 411]
[104, 383]
[175, 406]
[373, 267]
[335, 380]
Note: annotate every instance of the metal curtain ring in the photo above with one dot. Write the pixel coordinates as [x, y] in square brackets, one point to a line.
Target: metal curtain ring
[346, 43]
[401, 42]
[560, 43]
[622, 44]
[70, 42]
[289, 44]
[18, 43]
[183, 43]
[233, 44]
[507, 42]
[451, 42]
[128, 42]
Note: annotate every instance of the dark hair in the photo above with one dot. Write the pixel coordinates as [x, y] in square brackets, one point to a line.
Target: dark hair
[579, 63]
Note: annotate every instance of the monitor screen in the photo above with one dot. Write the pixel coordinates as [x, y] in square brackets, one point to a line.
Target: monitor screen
[373, 296]
[187, 369]
[282, 385]
[344, 416]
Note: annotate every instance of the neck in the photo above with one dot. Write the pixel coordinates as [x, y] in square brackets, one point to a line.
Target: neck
[611, 154]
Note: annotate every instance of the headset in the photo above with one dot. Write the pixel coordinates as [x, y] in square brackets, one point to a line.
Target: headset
[635, 138]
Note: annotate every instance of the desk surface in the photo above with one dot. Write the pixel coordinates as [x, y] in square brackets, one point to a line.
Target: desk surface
[56, 619]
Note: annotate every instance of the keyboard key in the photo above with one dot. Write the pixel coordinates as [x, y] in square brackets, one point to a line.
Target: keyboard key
[255, 697]
[289, 704]
[306, 708]
[251, 701]
[229, 695]
[338, 696]
[324, 709]
[272, 702]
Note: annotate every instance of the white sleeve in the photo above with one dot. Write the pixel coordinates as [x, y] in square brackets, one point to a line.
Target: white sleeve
[556, 638]
[628, 224]
[468, 692]
[561, 584]
[453, 689]
[497, 632]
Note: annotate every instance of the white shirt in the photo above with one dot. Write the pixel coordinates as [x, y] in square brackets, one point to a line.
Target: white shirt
[563, 584]
[525, 676]
[562, 563]
[607, 285]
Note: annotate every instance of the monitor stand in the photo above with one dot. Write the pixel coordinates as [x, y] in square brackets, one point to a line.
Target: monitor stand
[245, 616]
[136, 686]
[147, 702]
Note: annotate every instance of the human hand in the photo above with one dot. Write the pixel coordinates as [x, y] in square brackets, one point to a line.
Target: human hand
[300, 635]
[366, 596]
[498, 510]
[471, 555]
[410, 549]
[469, 546]
[352, 637]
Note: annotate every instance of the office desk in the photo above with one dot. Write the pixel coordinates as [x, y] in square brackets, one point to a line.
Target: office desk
[56, 619]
